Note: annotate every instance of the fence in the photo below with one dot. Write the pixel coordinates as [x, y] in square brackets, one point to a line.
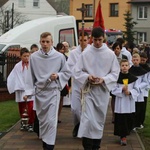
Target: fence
[7, 63]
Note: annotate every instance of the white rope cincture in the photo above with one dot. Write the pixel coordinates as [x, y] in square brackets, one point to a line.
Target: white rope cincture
[86, 89]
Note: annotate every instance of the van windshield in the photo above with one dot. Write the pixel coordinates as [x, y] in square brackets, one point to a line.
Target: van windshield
[2, 46]
[112, 36]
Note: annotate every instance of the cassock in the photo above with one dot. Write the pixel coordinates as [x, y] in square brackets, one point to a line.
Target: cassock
[100, 62]
[47, 93]
[16, 82]
[141, 74]
[147, 68]
[125, 105]
[76, 85]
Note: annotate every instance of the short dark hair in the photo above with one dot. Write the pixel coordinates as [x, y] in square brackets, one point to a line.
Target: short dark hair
[33, 46]
[84, 33]
[97, 32]
[23, 50]
[143, 54]
[116, 44]
[59, 46]
[121, 40]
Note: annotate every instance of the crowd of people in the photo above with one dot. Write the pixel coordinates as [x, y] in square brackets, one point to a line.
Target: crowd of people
[93, 73]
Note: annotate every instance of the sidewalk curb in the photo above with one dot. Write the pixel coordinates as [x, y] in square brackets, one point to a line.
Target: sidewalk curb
[12, 126]
[140, 141]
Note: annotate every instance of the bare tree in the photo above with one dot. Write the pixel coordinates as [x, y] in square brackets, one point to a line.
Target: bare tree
[9, 17]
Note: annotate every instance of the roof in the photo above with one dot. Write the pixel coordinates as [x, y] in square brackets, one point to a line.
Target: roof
[139, 1]
[2, 2]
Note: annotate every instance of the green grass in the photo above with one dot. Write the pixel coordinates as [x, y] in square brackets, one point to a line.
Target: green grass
[9, 115]
[145, 132]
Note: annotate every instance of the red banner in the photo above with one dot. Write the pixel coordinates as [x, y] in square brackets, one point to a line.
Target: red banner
[99, 21]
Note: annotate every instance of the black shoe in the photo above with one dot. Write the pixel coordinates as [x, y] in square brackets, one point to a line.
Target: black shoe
[75, 130]
[47, 147]
[59, 121]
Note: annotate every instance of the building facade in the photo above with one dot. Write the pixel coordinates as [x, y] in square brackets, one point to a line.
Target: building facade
[140, 10]
[23, 10]
[113, 14]
[32, 9]
[112, 10]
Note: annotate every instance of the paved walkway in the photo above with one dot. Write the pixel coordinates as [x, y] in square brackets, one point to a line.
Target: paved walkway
[21, 140]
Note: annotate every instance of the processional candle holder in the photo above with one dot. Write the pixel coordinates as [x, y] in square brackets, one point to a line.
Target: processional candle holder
[25, 118]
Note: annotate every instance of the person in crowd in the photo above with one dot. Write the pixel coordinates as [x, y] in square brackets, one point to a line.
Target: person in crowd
[61, 48]
[135, 50]
[117, 46]
[67, 50]
[129, 46]
[126, 93]
[34, 48]
[49, 73]
[16, 83]
[97, 81]
[144, 65]
[76, 85]
[140, 73]
[124, 51]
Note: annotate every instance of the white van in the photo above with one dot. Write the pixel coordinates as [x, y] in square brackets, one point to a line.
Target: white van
[63, 28]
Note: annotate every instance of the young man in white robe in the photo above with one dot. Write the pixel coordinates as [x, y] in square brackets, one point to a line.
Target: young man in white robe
[16, 83]
[97, 70]
[76, 85]
[49, 74]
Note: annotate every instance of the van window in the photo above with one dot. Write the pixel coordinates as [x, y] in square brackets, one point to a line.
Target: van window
[67, 35]
[2, 46]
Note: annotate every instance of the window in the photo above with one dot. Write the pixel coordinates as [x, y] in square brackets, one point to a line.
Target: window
[114, 9]
[67, 35]
[142, 37]
[21, 3]
[142, 12]
[89, 12]
[36, 3]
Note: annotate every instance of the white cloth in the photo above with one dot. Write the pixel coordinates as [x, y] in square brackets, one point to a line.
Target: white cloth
[146, 90]
[47, 93]
[16, 82]
[142, 85]
[124, 103]
[76, 85]
[125, 52]
[100, 62]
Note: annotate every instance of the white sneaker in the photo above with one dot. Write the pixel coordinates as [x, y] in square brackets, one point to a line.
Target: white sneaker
[30, 128]
[141, 126]
[134, 129]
